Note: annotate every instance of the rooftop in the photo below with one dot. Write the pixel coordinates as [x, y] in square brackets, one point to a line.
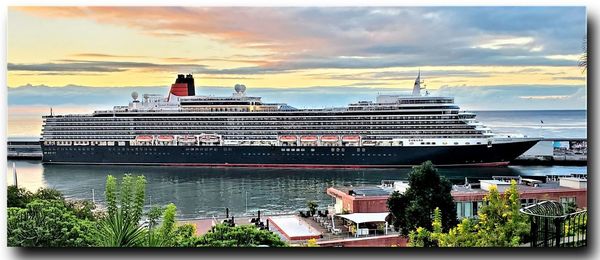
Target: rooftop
[526, 185]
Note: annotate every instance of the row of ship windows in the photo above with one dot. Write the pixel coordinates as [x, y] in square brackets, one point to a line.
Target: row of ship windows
[270, 129]
[247, 118]
[433, 124]
[244, 154]
[242, 137]
[306, 123]
[133, 133]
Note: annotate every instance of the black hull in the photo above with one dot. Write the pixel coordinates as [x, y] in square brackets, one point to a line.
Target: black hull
[288, 156]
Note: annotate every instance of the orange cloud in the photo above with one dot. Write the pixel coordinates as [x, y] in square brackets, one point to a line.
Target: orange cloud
[250, 27]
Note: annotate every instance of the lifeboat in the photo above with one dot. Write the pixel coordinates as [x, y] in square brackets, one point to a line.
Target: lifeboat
[165, 138]
[329, 138]
[308, 138]
[144, 138]
[209, 138]
[288, 138]
[187, 139]
[350, 138]
[369, 143]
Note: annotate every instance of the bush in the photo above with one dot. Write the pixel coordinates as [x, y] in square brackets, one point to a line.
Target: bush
[48, 223]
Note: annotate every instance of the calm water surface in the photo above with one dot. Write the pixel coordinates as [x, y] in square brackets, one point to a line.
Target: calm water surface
[204, 192]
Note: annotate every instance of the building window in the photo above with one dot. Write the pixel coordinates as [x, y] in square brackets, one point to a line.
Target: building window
[565, 201]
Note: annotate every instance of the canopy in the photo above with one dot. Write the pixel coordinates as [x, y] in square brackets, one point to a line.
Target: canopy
[365, 217]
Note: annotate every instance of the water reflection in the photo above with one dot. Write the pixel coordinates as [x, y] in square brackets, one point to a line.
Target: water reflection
[203, 192]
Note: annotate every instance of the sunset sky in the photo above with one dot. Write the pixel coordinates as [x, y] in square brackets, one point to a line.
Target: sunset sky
[488, 57]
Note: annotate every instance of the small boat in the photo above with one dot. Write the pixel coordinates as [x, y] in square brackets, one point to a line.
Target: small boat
[187, 139]
[144, 138]
[288, 138]
[369, 143]
[308, 138]
[165, 138]
[329, 138]
[209, 138]
[350, 138]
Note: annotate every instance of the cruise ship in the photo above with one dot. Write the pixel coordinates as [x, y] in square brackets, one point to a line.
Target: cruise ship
[185, 129]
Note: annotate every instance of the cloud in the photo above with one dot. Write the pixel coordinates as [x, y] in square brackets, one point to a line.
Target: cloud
[508, 97]
[69, 65]
[324, 37]
[517, 97]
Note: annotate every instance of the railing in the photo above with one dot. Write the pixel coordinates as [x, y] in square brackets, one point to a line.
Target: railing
[552, 227]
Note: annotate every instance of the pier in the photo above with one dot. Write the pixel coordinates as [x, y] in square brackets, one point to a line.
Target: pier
[555, 151]
[24, 149]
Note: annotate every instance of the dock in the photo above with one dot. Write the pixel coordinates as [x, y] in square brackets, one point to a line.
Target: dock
[24, 149]
[555, 151]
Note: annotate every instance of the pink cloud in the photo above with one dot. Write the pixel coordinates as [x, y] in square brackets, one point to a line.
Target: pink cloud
[266, 28]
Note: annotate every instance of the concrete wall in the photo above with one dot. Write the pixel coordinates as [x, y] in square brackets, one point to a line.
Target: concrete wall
[379, 241]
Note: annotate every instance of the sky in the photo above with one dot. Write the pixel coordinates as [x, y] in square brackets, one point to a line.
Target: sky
[77, 59]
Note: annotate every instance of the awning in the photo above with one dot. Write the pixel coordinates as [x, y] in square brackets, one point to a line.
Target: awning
[365, 217]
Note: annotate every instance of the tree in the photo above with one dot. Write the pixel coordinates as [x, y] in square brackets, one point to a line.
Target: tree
[239, 236]
[48, 223]
[168, 233]
[18, 197]
[312, 206]
[48, 194]
[427, 191]
[121, 227]
[396, 204]
[425, 238]
[499, 224]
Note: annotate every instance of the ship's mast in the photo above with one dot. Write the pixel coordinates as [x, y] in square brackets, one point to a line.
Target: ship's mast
[417, 88]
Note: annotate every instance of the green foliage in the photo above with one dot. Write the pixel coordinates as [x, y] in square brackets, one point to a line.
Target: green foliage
[427, 191]
[185, 235]
[396, 204]
[239, 236]
[110, 193]
[312, 243]
[18, 197]
[48, 194]
[117, 230]
[165, 235]
[570, 207]
[312, 206]
[153, 216]
[47, 223]
[499, 224]
[121, 227]
[575, 226]
[167, 227]
[82, 209]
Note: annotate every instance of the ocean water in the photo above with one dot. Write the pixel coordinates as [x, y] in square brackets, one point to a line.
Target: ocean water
[537, 123]
[204, 192]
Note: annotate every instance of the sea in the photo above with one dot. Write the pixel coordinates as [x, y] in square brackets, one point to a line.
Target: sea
[204, 192]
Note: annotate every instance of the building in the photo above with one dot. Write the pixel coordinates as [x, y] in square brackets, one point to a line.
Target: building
[468, 198]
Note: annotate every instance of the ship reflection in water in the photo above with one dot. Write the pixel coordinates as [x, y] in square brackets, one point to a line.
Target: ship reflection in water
[204, 192]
